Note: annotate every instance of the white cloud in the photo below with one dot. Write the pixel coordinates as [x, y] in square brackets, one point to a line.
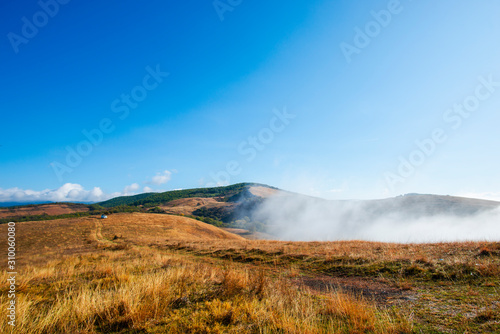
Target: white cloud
[131, 188]
[147, 190]
[161, 178]
[68, 192]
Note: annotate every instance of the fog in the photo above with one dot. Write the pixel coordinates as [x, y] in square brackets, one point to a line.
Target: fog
[300, 218]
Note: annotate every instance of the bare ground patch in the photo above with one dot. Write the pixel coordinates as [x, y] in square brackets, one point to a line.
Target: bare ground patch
[371, 289]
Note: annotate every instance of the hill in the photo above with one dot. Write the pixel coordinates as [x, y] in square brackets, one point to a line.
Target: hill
[229, 206]
[51, 209]
[143, 228]
[417, 205]
[228, 193]
[87, 234]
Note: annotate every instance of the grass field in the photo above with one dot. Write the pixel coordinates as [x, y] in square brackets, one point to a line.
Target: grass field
[147, 273]
[43, 209]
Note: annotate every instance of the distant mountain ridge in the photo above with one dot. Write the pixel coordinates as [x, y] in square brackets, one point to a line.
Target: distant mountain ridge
[428, 205]
[241, 206]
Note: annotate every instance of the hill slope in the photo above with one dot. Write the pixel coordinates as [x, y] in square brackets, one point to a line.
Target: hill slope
[417, 205]
[145, 227]
[52, 209]
[154, 199]
[87, 234]
[229, 193]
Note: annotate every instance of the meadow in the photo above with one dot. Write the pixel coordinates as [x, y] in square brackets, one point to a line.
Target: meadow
[152, 273]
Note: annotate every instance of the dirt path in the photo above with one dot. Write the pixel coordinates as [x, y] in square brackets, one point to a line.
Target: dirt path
[369, 288]
[97, 233]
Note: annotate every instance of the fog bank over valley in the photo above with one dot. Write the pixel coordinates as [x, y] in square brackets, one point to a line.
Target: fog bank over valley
[409, 218]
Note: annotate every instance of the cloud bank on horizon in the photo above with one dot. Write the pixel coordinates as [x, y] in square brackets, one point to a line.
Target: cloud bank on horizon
[69, 192]
[74, 192]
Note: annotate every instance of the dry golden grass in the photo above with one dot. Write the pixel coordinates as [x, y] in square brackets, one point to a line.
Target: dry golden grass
[156, 292]
[41, 241]
[49, 209]
[150, 273]
[143, 228]
[186, 206]
[262, 191]
[482, 256]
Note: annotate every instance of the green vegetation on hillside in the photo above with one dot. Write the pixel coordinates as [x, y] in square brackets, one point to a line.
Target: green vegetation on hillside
[124, 200]
[155, 199]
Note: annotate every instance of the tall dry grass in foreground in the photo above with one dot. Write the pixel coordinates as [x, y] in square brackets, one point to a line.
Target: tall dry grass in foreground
[141, 290]
[147, 273]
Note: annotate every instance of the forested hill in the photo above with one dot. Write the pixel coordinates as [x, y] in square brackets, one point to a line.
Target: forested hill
[153, 199]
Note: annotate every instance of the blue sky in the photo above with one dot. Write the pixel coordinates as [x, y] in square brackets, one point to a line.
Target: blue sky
[338, 99]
